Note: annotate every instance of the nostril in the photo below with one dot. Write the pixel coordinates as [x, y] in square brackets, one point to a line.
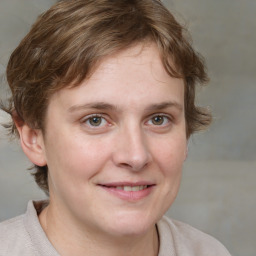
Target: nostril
[135, 166]
[131, 149]
[125, 165]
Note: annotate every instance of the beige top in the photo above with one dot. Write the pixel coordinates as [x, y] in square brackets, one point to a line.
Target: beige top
[24, 235]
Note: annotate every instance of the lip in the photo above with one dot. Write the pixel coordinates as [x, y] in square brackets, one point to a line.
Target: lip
[128, 195]
[126, 183]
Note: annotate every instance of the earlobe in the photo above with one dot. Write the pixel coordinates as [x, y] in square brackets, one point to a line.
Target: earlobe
[32, 143]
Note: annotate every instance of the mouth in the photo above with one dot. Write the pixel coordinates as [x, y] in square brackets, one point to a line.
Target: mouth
[129, 188]
[130, 192]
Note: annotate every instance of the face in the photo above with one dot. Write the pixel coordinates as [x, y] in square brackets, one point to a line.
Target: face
[115, 144]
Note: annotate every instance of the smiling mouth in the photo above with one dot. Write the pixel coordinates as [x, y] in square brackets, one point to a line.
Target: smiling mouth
[129, 192]
[130, 188]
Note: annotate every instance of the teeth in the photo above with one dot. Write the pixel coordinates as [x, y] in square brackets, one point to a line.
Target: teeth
[137, 188]
[129, 188]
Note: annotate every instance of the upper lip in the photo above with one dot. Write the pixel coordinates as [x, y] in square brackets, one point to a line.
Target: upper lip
[126, 183]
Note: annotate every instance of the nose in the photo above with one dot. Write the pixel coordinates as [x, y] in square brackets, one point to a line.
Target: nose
[131, 149]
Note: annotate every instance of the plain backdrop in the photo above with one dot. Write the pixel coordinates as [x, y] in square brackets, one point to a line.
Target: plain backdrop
[218, 191]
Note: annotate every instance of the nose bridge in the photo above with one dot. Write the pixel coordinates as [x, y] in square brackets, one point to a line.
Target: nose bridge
[132, 150]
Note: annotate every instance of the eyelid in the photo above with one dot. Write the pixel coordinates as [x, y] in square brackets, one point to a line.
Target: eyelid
[168, 116]
[86, 118]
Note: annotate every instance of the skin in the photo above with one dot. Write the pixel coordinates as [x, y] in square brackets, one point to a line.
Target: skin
[124, 125]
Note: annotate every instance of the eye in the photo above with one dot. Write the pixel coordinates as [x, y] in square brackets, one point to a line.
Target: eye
[159, 120]
[95, 121]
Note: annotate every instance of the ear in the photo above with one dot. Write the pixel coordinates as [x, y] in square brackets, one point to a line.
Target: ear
[32, 143]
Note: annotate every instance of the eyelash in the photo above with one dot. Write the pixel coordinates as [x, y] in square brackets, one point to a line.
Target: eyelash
[166, 119]
[87, 120]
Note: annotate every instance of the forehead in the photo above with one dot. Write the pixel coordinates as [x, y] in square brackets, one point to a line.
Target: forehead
[133, 76]
[144, 55]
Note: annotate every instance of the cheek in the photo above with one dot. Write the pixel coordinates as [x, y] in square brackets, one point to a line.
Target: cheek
[171, 153]
[169, 158]
[73, 166]
[74, 158]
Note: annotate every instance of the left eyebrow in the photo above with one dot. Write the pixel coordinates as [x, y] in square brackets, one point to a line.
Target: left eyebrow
[164, 105]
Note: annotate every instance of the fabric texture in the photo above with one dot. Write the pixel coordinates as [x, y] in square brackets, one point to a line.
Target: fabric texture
[24, 235]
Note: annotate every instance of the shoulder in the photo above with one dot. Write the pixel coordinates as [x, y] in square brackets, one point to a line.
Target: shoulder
[23, 235]
[186, 240]
[13, 236]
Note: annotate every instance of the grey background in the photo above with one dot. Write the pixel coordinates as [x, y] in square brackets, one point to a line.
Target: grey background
[218, 191]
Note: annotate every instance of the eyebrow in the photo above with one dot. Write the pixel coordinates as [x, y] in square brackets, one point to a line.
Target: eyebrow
[164, 105]
[107, 106]
[96, 105]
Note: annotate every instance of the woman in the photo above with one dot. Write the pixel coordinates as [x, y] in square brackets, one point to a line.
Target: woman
[103, 103]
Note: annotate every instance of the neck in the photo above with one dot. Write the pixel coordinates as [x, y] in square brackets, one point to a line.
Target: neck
[88, 242]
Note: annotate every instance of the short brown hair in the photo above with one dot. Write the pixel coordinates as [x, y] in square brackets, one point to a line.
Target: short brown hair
[67, 42]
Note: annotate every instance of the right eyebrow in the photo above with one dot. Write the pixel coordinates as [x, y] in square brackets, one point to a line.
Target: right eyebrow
[95, 105]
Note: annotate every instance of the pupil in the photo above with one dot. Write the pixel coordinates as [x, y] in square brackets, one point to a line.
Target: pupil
[95, 121]
[158, 120]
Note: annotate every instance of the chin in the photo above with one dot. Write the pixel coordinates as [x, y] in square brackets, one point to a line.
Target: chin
[132, 225]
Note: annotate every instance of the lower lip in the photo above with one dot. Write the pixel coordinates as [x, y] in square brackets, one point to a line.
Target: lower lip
[129, 195]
